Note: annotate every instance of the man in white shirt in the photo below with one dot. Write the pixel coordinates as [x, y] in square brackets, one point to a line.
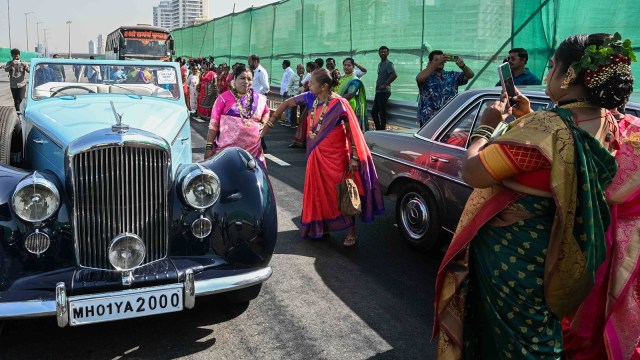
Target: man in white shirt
[294, 88]
[260, 83]
[284, 89]
[260, 75]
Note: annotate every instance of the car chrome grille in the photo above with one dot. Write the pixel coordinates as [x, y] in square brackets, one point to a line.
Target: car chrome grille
[116, 190]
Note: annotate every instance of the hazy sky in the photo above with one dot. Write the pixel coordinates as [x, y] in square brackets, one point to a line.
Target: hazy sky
[89, 19]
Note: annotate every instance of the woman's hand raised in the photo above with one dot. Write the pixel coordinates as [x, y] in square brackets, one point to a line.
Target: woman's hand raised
[523, 105]
[495, 113]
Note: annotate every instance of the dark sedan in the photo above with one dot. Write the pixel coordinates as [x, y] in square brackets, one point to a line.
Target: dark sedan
[421, 170]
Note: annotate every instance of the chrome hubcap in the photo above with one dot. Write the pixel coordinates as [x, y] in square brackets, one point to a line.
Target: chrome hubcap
[414, 215]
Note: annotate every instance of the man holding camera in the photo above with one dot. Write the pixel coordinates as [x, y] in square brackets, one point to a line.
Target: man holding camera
[17, 70]
[437, 86]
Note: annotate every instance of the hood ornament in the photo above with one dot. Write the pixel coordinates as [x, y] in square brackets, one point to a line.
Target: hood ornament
[119, 127]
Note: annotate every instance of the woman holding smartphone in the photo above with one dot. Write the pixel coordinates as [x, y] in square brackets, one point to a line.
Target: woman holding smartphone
[532, 233]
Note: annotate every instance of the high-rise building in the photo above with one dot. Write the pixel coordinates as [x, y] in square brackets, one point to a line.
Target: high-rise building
[162, 15]
[100, 49]
[92, 48]
[184, 12]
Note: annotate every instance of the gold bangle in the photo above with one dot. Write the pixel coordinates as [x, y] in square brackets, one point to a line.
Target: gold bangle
[269, 124]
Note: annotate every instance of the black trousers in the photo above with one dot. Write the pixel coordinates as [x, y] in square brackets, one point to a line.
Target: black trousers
[379, 110]
[18, 94]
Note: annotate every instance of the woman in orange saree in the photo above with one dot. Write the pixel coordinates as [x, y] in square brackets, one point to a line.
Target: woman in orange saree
[335, 144]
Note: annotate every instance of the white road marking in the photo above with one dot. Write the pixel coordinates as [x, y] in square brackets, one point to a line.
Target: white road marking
[199, 120]
[276, 160]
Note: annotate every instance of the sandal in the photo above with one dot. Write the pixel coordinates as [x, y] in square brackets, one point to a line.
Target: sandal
[350, 240]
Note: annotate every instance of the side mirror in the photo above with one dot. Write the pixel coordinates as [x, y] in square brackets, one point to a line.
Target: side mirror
[171, 45]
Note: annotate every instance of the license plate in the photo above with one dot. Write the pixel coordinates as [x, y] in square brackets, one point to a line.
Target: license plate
[124, 305]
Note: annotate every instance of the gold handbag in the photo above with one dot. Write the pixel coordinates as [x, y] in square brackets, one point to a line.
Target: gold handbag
[348, 197]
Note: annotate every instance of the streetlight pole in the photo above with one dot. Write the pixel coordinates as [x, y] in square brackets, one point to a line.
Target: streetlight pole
[46, 42]
[26, 26]
[69, 23]
[9, 22]
[38, 47]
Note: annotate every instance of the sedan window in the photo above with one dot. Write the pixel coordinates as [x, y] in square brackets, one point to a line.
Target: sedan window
[458, 134]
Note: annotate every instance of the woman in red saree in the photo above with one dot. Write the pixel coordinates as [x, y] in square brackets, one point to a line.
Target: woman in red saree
[335, 144]
[208, 91]
[607, 324]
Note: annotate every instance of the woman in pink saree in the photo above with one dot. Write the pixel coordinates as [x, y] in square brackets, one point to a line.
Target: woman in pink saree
[238, 117]
[607, 324]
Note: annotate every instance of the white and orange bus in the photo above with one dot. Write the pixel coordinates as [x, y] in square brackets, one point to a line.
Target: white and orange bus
[139, 42]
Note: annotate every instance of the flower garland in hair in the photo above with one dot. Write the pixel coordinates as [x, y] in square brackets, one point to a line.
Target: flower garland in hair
[601, 62]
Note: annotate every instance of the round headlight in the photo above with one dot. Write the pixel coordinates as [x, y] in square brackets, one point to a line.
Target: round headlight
[35, 199]
[201, 188]
[126, 252]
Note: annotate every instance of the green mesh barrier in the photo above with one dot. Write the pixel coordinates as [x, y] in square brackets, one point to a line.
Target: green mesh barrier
[481, 32]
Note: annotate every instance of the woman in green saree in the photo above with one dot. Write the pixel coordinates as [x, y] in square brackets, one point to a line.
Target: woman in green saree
[351, 88]
[533, 231]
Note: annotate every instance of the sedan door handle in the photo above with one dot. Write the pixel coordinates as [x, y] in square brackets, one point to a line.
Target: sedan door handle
[38, 141]
[436, 159]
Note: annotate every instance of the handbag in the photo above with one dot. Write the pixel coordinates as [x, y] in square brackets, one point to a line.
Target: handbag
[348, 197]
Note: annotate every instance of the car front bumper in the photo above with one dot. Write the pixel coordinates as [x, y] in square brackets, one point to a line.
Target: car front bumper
[56, 303]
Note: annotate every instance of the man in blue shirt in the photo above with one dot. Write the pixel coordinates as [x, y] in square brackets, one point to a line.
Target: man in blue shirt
[518, 58]
[438, 86]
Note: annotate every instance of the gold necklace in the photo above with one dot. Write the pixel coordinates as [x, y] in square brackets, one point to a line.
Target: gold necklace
[318, 125]
[579, 104]
[245, 112]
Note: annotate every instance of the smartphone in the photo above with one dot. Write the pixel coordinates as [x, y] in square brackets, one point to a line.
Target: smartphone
[506, 79]
[451, 57]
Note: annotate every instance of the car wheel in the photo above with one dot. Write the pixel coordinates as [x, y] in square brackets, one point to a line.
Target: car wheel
[8, 123]
[244, 295]
[417, 217]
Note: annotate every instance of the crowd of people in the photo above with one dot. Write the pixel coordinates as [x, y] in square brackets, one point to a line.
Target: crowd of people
[545, 260]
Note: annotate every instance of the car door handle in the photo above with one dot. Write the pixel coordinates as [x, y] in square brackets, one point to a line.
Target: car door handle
[184, 139]
[436, 159]
[38, 141]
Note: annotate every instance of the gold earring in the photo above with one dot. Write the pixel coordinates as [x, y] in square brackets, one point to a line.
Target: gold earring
[568, 78]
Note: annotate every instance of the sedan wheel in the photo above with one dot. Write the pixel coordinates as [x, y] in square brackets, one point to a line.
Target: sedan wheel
[417, 217]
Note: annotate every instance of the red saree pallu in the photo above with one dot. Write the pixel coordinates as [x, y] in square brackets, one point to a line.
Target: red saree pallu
[607, 324]
[300, 136]
[328, 156]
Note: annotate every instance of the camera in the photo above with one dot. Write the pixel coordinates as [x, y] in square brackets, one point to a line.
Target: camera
[449, 57]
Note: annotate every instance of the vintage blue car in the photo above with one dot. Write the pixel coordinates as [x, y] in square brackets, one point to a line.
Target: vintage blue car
[103, 214]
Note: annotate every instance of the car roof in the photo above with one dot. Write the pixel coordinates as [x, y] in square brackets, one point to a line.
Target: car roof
[539, 90]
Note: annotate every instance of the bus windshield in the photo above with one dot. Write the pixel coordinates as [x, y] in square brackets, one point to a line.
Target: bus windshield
[146, 47]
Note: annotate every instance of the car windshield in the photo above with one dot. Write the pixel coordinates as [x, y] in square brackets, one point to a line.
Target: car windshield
[58, 79]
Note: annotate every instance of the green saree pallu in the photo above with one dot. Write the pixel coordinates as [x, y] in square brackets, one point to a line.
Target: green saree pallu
[354, 86]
